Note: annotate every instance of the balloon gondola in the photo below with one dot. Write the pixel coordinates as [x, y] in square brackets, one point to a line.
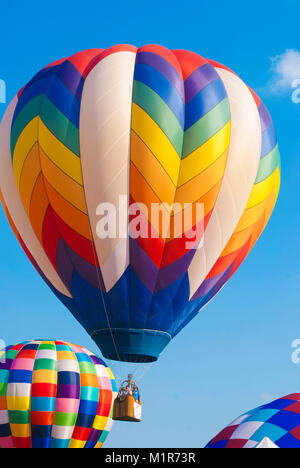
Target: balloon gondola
[128, 404]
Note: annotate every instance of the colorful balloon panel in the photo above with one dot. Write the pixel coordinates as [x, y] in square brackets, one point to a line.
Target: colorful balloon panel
[279, 421]
[54, 394]
[133, 128]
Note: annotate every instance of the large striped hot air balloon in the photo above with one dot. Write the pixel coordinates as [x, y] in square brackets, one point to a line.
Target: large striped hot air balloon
[134, 127]
[54, 394]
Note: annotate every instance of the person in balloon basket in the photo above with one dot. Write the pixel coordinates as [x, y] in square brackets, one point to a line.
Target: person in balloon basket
[136, 394]
[122, 393]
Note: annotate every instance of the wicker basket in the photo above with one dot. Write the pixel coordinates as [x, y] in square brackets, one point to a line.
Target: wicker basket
[127, 410]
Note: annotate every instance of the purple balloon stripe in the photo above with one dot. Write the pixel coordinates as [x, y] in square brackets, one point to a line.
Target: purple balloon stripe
[71, 78]
[164, 67]
[86, 270]
[143, 266]
[64, 265]
[171, 273]
[200, 78]
[210, 283]
[265, 118]
[222, 281]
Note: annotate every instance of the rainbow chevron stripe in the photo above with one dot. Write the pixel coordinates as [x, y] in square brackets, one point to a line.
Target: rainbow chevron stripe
[54, 395]
[160, 127]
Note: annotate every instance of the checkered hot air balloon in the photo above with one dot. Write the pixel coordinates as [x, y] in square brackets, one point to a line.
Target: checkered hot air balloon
[277, 422]
[54, 394]
[134, 127]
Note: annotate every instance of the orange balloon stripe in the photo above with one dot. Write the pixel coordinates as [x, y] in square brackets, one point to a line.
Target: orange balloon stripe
[29, 175]
[238, 237]
[151, 169]
[75, 218]
[190, 192]
[247, 237]
[68, 188]
[242, 254]
[192, 215]
[257, 230]
[38, 207]
[197, 187]
[138, 189]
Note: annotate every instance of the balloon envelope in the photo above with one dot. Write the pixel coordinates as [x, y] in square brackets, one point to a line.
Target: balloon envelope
[54, 394]
[278, 421]
[93, 143]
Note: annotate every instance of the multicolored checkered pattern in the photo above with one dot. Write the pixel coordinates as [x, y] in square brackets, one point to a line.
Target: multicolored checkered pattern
[54, 394]
[279, 421]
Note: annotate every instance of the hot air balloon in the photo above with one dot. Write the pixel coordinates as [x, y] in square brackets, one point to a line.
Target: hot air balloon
[276, 424]
[102, 137]
[54, 394]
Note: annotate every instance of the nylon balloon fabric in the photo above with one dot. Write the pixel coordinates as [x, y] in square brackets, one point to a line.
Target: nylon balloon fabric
[135, 128]
[279, 421]
[54, 394]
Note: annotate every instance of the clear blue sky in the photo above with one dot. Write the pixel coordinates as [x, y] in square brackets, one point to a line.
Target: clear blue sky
[238, 350]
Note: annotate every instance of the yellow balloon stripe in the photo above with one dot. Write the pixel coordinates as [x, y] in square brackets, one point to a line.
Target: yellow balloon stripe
[205, 155]
[261, 190]
[59, 154]
[35, 190]
[190, 192]
[273, 198]
[148, 165]
[265, 193]
[158, 175]
[158, 143]
[67, 187]
[253, 213]
[25, 142]
[203, 182]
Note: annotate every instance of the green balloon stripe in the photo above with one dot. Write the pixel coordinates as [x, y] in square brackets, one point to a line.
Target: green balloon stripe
[268, 164]
[60, 126]
[26, 115]
[206, 127]
[160, 112]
